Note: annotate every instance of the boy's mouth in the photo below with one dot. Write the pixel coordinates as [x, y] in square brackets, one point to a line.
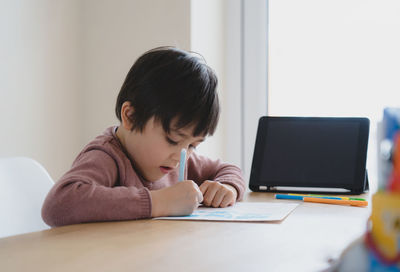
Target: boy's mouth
[165, 169]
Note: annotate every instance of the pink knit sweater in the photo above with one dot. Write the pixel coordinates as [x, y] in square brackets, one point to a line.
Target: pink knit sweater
[102, 184]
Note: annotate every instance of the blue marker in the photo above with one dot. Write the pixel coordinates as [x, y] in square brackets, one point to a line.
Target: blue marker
[182, 165]
[295, 197]
[300, 197]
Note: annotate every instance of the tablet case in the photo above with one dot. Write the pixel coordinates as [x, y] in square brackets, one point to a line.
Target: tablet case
[310, 154]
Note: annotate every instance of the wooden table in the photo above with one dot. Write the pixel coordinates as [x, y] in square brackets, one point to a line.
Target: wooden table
[306, 240]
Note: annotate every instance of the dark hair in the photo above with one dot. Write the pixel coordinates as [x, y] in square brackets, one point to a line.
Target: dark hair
[169, 83]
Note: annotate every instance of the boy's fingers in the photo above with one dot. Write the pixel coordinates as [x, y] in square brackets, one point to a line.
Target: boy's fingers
[226, 201]
[219, 196]
[199, 195]
[210, 194]
[203, 187]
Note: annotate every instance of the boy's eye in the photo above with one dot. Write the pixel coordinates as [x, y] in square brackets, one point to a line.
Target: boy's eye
[171, 141]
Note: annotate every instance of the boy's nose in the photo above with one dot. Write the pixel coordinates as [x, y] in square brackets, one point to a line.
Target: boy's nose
[176, 156]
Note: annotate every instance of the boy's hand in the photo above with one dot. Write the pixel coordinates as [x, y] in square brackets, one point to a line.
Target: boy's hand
[180, 199]
[217, 194]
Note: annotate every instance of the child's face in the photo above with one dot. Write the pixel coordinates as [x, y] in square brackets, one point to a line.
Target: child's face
[154, 152]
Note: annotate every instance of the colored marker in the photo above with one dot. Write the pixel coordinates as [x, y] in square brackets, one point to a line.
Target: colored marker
[182, 165]
[342, 197]
[294, 197]
[319, 196]
[330, 197]
[359, 203]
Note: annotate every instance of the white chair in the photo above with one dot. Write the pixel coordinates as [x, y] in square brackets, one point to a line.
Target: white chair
[24, 184]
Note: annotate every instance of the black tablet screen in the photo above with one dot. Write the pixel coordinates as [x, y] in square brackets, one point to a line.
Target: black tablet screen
[309, 152]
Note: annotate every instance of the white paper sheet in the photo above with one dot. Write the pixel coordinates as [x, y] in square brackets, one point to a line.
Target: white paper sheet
[241, 211]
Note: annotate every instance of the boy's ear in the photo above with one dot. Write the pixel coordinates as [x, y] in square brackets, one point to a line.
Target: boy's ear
[126, 114]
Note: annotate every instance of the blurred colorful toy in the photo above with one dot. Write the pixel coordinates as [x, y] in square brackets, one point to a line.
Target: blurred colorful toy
[379, 249]
[383, 235]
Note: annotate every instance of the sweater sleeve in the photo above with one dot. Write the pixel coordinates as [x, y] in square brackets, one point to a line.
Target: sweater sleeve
[89, 192]
[201, 168]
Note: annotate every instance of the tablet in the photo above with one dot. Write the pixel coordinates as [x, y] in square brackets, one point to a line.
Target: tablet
[310, 154]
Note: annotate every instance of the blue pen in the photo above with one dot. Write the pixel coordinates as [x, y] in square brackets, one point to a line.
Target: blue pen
[182, 165]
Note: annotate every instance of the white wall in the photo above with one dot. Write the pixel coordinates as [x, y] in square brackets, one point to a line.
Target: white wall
[114, 34]
[207, 28]
[255, 48]
[245, 78]
[233, 107]
[39, 81]
[62, 63]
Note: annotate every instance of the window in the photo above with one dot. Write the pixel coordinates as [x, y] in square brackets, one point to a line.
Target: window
[334, 58]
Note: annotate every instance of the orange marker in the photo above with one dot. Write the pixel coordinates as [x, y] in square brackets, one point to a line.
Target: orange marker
[358, 203]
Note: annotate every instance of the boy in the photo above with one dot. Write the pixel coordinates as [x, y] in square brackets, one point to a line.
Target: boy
[168, 102]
